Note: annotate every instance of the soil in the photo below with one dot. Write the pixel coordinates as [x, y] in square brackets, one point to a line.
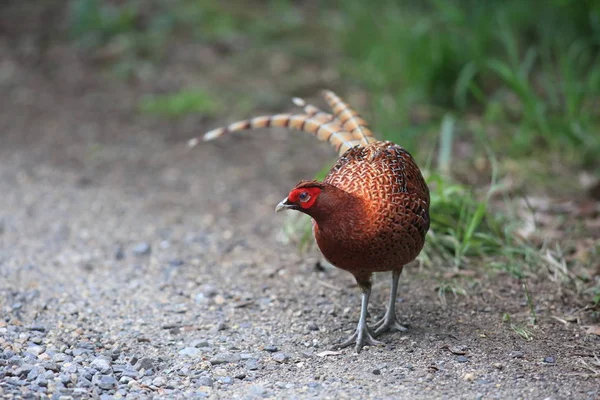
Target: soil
[120, 242]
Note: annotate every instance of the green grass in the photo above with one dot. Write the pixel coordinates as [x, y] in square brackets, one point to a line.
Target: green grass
[131, 34]
[535, 74]
[178, 104]
[142, 27]
[527, 71]
[522, 331]
[453, 287]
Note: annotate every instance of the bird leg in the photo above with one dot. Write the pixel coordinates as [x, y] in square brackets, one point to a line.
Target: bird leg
[389, 322]
[363, 335]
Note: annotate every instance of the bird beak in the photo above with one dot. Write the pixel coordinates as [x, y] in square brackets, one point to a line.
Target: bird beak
[283, 205]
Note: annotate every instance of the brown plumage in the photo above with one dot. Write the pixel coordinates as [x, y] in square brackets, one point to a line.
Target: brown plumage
[370, 213]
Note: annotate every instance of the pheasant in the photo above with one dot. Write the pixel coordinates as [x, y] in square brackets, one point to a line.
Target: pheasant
[370, 213]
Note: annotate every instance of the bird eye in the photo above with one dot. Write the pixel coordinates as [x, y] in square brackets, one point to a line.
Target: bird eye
[304, 197]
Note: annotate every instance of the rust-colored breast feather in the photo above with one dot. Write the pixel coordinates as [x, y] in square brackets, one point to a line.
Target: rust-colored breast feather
[396, 204]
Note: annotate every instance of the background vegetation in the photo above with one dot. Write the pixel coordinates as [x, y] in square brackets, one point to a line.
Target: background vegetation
[499, 99]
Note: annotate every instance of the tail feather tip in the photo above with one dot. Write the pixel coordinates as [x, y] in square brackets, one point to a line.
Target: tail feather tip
[298, 101]
[215, 133]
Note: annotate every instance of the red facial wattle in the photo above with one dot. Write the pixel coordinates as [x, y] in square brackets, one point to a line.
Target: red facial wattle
[296, 196]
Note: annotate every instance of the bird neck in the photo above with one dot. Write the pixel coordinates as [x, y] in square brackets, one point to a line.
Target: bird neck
[336, 209]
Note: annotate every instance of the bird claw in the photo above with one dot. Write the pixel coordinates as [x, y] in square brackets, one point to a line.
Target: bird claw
[388, 324]
[362, 337]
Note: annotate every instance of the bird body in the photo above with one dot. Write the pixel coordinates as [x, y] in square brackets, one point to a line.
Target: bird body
[370, 213]
[395, 199]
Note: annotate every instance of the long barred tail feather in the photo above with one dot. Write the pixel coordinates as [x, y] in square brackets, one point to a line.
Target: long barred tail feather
[311, 110]
[320, 126]
[343, 130]
[350, 119]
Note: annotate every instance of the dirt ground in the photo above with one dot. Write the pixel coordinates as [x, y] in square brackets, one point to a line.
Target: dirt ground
[118, 243]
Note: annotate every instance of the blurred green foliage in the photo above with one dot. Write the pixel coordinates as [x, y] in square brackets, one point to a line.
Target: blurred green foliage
[181, 103]
[530, 67]
[132, 25]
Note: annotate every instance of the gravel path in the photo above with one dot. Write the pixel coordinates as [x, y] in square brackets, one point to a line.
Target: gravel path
[133, 267]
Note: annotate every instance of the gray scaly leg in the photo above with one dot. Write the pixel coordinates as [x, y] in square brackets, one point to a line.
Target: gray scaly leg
[363, 335]
[389, 322]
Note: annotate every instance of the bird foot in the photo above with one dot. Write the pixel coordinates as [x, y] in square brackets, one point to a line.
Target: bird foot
[362, 337]
[389, 323]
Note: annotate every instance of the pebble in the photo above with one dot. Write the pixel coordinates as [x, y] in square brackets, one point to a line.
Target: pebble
[38, 328]
[462, 359]
[105, 382]
[144, 363]
[64, 378]
[69, 368]
[549, 360]
[205, 381]
[36, 350]
[469, 377]
[225, 358]
[517, 354]
[34, 373]
[209, 290]
[376, 372]
[142, 249]
[251, 365]
[201, 299]
[119, 254]
[61, 357]
[130, 373]
[271, 348]
[51, 366]
[312, 327]
[280, 357]
[172, 384]
[102, 364]
[257, 390]
[82, 381]
[159, 381]
[459, 350]
[25, 368]
[81, 351]
[189, 351]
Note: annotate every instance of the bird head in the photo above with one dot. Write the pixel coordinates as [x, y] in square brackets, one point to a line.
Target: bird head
[303, 197]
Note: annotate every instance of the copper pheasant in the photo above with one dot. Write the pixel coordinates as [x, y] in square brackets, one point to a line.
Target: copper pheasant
[370, 213]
